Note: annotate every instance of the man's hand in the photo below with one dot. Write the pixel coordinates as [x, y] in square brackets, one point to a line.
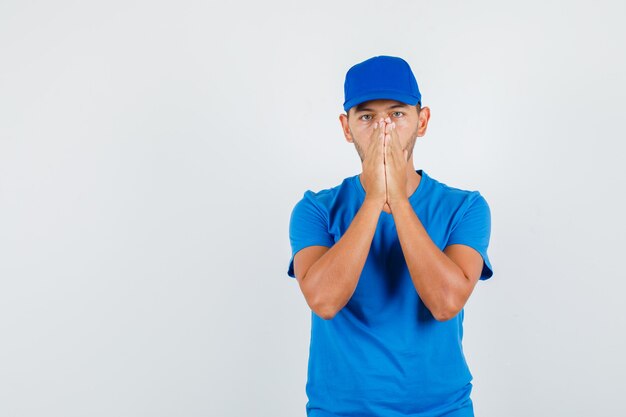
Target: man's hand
[395, 167]
[373, 176]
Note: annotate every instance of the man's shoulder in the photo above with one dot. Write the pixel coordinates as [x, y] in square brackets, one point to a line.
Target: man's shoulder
[325, 197]
[453, 195]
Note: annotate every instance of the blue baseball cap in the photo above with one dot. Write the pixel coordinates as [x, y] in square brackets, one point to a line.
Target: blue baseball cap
[381, 77]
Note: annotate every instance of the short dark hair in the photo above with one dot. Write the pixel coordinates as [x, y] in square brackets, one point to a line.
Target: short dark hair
[418, 106]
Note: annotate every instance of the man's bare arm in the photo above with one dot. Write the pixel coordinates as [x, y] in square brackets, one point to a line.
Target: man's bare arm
[331, 280]
[441, 283]
[329, 283]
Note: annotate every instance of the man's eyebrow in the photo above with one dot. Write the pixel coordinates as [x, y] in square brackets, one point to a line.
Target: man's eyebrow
[360, 108]
[395, 106]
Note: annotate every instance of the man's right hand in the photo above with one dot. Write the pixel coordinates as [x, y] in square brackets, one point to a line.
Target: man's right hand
[373, 176]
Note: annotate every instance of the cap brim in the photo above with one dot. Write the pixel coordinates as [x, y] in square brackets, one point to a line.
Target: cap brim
[381, 95]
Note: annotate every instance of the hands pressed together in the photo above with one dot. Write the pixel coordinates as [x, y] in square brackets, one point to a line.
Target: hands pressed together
[384, 167]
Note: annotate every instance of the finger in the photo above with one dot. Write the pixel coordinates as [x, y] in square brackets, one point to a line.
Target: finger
[393, 132]
[388, 148]
[395, 142]
[388, 127]
[396, 152]
[374, 137]
[380, 135]
[374, 133]
[379, 141]
[384, 153]
[379, 129]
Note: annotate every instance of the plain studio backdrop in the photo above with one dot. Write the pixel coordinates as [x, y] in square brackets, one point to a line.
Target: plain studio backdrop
[151, 154]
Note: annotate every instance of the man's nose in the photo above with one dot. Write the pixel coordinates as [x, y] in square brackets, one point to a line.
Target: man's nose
[383, 118]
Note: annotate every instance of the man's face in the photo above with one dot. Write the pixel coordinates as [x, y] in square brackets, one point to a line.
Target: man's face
[359, 123]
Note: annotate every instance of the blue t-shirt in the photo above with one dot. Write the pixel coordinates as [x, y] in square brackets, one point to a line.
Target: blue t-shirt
[384, 354]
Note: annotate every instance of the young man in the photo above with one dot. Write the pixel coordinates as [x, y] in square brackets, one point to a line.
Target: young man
[386, 261]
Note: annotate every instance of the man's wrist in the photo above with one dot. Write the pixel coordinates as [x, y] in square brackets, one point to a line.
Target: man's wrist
[400, 205]
[372, 202]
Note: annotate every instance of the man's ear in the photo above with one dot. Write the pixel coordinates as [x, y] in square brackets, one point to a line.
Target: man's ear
[343, 119]
[422, 123]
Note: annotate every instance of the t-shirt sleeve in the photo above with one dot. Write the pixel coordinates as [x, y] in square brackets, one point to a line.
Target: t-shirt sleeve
[308, 226]
[474, 230]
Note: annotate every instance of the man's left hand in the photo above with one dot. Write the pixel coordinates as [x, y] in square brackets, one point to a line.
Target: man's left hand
[395, 166]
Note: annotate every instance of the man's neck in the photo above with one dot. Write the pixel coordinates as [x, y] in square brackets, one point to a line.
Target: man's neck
[413, 180]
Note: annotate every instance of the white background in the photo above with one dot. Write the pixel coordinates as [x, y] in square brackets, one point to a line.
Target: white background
[151, 154]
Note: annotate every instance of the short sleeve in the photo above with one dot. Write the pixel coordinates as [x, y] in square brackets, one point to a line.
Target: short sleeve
[308, 226]
[474, 230]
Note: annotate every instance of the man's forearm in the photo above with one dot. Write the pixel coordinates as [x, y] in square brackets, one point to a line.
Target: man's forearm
[435, 276]
[334, 277]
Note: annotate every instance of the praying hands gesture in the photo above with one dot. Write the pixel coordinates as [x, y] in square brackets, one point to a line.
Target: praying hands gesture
[384, 168]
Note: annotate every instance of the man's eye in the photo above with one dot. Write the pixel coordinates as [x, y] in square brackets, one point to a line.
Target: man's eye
[398, 114]
[366, 117]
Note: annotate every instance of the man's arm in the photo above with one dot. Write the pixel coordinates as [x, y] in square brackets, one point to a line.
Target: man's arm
[443, 280]
[330, 282]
